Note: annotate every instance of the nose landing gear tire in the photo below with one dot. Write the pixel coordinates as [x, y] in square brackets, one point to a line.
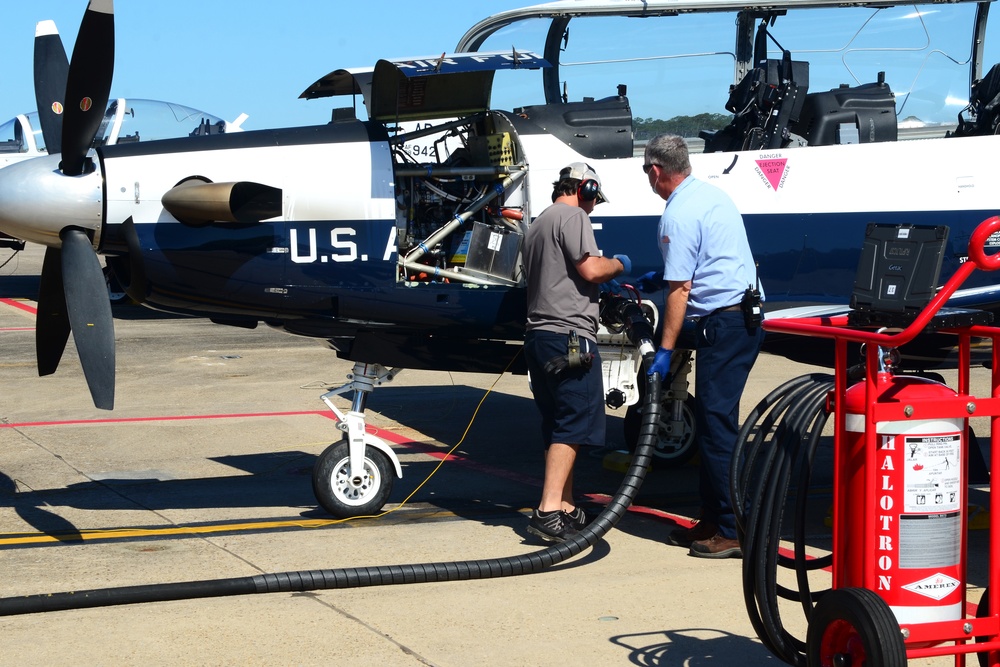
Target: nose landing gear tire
[852, 627]
[343, 496]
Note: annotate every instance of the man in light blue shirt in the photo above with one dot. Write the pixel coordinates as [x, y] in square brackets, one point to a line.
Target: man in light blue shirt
[710, 278]
[703, 242]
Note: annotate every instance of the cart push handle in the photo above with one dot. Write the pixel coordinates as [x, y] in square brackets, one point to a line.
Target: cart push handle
[977, 245]
[836, 327]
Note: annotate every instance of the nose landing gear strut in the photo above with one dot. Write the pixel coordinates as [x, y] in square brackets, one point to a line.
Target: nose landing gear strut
[354, 477]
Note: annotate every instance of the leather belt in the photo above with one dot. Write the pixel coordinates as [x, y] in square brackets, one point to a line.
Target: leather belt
[727, 309]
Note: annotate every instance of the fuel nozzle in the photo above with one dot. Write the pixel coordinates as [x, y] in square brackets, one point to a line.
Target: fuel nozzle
[618, 311]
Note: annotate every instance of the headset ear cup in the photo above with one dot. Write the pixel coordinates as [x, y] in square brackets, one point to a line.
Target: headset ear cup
[589, 190]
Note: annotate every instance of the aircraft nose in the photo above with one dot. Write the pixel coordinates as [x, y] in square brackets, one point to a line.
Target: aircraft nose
[38, 201]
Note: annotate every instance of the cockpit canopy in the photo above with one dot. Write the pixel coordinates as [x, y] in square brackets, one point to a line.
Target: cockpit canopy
[428, 88]
[124, 121]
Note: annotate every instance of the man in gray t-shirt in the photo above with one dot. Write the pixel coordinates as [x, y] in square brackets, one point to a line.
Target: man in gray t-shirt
[564, 268]
[560, 299]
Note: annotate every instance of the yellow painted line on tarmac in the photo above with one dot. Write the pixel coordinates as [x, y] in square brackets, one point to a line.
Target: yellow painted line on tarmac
[20, 539]
[126, 533]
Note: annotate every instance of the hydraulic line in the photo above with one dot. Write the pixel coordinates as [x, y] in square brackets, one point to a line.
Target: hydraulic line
[639, 331]
[776, 445]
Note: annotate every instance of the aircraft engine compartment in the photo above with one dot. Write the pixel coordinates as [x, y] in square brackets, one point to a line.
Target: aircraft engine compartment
[460, 202]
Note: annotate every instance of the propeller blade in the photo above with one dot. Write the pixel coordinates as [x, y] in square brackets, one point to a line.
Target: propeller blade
[89, 315]
[52, 322]
[88, 85]
[51, 72]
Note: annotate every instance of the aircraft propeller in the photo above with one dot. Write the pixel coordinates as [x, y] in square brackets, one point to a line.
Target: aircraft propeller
[51, 71]
[73, 293]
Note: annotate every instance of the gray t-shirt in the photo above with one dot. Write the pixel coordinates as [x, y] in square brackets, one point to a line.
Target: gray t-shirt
[559, 299]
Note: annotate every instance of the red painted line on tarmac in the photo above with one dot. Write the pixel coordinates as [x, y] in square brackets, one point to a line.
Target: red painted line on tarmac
[682, 521]
[17, 329]
[20, 304]
[127, 420]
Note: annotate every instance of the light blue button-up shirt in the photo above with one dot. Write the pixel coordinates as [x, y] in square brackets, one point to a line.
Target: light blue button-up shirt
[703, 240]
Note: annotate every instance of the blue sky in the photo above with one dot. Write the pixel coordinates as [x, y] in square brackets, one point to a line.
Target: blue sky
[228, 57]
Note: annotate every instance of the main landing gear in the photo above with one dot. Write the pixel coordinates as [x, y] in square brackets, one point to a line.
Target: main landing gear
[675, 435]
[354, 477]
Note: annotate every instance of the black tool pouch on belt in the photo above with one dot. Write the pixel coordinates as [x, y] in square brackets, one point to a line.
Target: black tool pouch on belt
[573, 359]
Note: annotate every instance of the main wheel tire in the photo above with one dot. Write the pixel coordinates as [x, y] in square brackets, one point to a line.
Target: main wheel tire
[116, 293]
[854, 626]
[672, 449]
[344, 497]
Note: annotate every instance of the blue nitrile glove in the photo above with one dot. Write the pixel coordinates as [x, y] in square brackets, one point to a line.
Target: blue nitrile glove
[661, 363]
[611, 286]
[626, 262]
[650, 282]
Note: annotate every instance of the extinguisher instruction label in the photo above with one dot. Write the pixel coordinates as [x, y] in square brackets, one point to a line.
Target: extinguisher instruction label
[932, 473]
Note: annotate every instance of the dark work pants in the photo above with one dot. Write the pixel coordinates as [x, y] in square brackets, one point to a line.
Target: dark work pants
[724, 354]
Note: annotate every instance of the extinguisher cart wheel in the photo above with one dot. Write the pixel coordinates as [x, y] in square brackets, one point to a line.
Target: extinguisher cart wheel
[852, 627]
[982, 612]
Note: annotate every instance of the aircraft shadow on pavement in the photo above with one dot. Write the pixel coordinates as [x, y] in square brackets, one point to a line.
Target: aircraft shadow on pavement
[279, 479]
[443, 413]
[499, 473]
[504, 427]
[683, 647]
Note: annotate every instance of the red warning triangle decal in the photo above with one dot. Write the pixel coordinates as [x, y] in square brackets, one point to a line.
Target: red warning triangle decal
[772, 169]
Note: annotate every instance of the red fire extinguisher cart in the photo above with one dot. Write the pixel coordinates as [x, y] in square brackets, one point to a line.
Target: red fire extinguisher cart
[900, 489]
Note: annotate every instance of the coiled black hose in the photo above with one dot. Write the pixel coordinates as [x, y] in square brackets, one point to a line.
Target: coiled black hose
[776, 445]
[356, 577]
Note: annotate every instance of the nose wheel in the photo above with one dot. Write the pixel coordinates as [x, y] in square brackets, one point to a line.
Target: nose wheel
[854, 627]
[345, 493]
[354, 477]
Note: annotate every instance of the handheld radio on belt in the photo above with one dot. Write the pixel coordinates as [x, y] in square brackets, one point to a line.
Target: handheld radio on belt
[753, 314]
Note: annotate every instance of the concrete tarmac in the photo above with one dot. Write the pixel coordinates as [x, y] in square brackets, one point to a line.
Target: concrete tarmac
[202, 472]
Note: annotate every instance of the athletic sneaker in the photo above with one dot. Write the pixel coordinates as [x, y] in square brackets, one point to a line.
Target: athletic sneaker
[554, 526]
[578, 518]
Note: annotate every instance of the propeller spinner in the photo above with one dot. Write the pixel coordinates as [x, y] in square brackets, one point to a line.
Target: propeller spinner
[73, 294]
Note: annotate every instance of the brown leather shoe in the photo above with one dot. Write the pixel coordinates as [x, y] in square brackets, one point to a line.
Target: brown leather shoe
[683, 537]
[716, 546]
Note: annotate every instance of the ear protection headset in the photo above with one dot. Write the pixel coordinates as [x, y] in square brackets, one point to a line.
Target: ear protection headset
[589, 190]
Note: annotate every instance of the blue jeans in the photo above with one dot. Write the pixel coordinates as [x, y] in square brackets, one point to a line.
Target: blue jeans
[725, 351]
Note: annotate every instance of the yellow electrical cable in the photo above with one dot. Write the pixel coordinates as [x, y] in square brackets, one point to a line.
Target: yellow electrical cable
[445, 457]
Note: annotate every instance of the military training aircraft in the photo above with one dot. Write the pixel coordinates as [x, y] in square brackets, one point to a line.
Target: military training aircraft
[396, 238]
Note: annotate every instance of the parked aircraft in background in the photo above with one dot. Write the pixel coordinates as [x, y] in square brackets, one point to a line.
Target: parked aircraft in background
[396, 238]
